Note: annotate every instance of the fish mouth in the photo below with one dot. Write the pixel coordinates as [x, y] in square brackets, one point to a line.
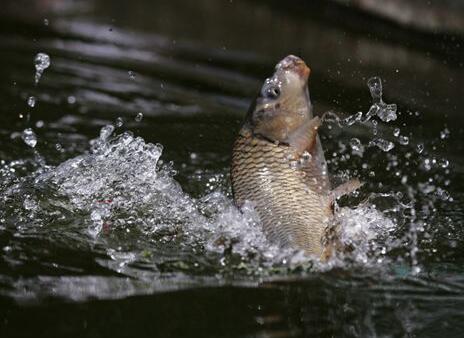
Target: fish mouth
[295, 64]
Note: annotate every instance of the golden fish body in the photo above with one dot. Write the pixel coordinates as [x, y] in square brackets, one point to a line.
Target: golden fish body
[291, 211]
[278, 163]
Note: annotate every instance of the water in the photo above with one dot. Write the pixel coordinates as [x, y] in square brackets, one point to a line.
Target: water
[41, 62]
[116, 216]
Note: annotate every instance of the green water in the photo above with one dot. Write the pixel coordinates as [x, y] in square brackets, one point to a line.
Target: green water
[119, 237]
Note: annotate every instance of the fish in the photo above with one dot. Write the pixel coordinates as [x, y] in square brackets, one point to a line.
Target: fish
[278, 164]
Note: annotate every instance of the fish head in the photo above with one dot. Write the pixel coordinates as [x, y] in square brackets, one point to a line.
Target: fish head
[283, 103]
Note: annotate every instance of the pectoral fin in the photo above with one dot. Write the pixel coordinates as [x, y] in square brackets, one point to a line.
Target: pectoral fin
[345, 189]
[304, 138]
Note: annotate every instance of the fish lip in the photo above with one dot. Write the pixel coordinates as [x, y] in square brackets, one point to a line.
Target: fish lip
[295, 64]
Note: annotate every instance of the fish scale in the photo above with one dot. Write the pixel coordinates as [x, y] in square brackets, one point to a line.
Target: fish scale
[290, 211]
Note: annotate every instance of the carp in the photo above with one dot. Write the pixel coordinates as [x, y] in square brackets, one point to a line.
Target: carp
[278, 164]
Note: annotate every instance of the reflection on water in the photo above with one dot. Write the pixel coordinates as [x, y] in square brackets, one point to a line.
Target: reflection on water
[114, 192]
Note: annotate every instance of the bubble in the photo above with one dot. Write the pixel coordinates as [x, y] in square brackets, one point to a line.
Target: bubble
[39, 124]
[71, 99]
[139, 117]
[382, 144]
[29, 137]
[396, 132]
[41, 62]
[131, 75]
[45, 21]
[31, 101]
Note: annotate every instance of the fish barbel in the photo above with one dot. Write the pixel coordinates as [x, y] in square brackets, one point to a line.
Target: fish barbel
[278, 163]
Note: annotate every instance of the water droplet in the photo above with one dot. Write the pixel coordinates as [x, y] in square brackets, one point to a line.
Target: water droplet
[387, 112]
[29, 137]
[443, 194]
[31, 101]
[396, 132]
[41, 62]
[404, 140]
[350, 120]
[420, 148]
[372, 112]
[382, 144]
[356, 144]
[427, 164]
[131, 75]
[71, 99]
[139, 117]
[375, 87]
[119, 122]
[444, 134]
[444, 163]
[374, 127]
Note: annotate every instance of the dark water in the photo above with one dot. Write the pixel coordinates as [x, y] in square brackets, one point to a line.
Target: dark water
[135, 234]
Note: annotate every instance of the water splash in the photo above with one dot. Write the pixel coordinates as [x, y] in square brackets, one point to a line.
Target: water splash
[386, 112]
[41, 62]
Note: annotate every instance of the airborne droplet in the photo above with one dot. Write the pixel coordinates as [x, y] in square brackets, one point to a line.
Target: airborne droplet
[31, 101]
[29, 137]
[41, 62]
[139, 117]
[375, 87]
[382, 144]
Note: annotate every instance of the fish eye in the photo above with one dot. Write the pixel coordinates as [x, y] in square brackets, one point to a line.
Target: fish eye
[271, 92]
